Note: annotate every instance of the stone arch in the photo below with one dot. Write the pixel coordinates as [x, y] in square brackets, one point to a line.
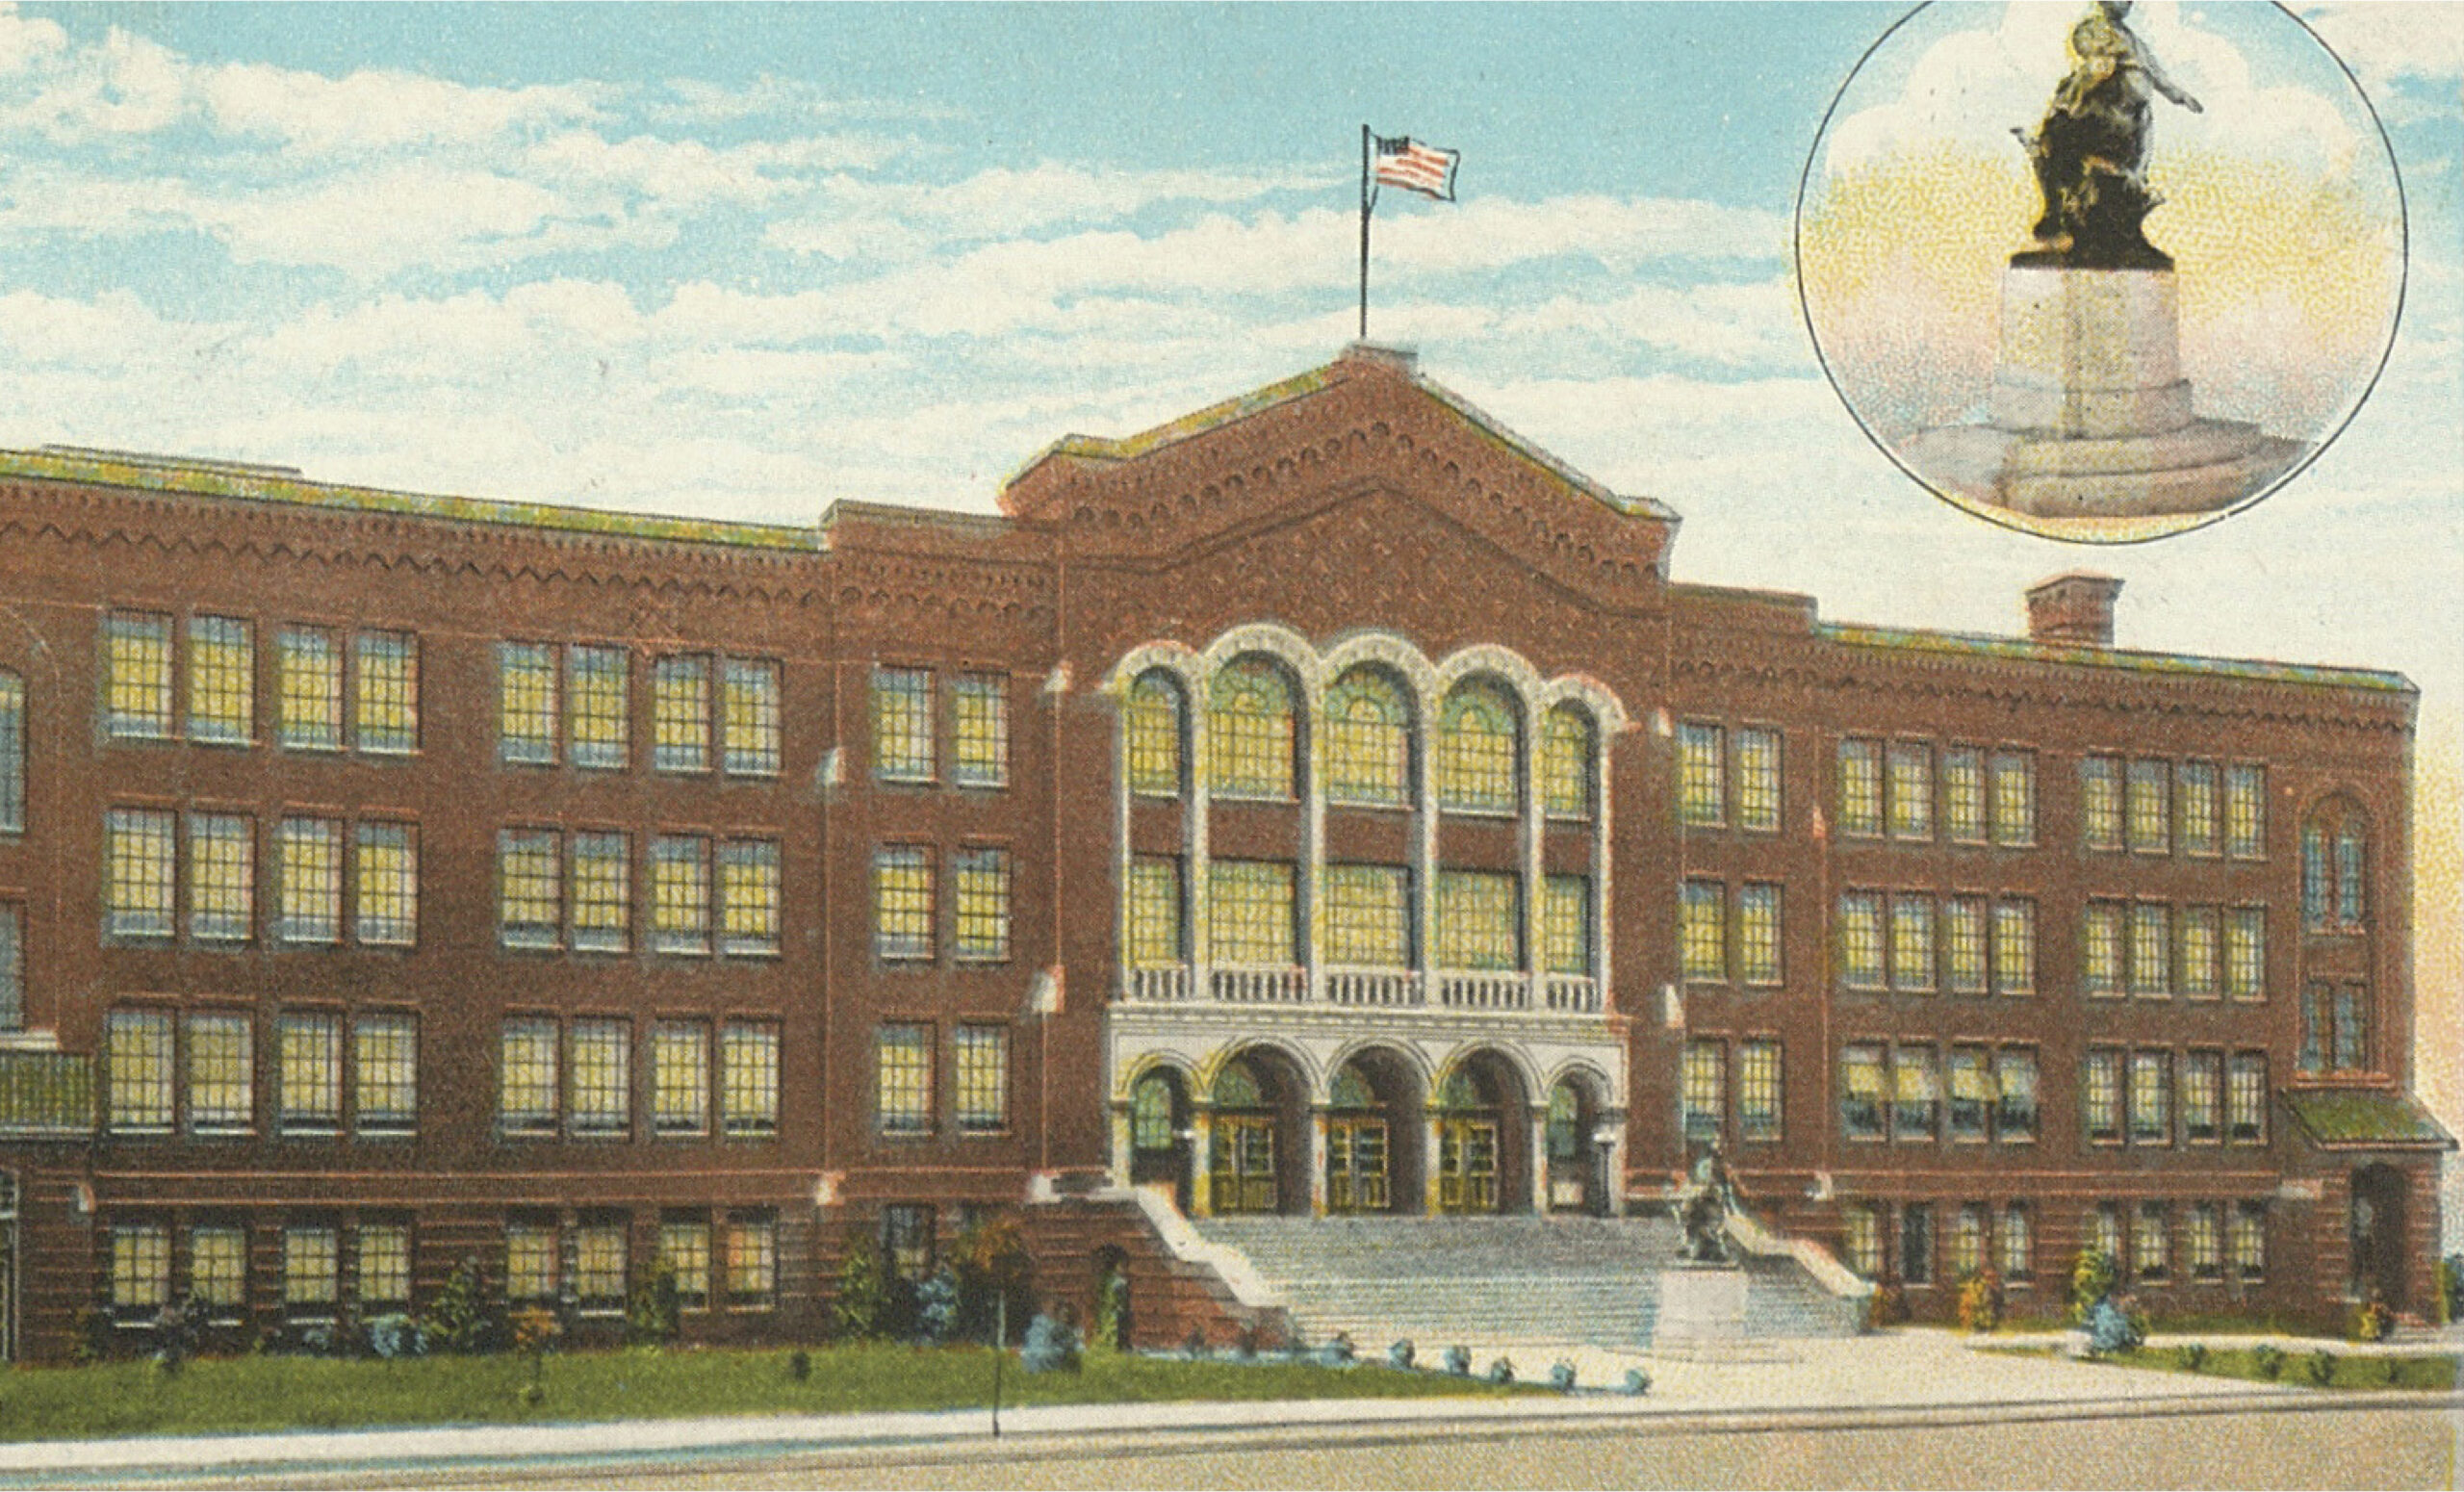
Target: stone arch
[1174, 658]
[1259, 1153]
[1484, 1157]
[1377, 1152]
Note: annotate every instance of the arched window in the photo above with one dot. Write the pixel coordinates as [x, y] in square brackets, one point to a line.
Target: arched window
[12, 753]
[1151, 1113]
[1465, 1089]
[1249, 733]
[1477, 737]
[1565, 1124]
[1565, 767]
[2335, 874]
[1368, 739]
[1237, 1087]
[1151, 735]
[1351, 1089]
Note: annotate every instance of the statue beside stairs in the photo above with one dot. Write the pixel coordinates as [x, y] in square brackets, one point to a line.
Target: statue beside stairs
[1705, 1213]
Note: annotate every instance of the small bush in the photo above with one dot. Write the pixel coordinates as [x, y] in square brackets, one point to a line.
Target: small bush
[1111, 1311]
[394, 1336]
[1052, 1346]
[2268, 1360]
[2092, 1278]
[2112, 1329]
[2451, 1288]
[1458, 1360]
[2193, 1356]
[1561, 1377]
[800, 1366]
[861, 1307]
[1638, 1381]
[1980, 1301]
[2322, 1367]
[937, 1308]
[1401, 1354]
[467, 1316]
[653, 1314]
[1887, 1306]
[1501, 1371]
[1338, 1352]
[2373, 1322]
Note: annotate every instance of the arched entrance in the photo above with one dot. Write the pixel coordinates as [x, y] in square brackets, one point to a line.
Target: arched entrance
[1574, 1167]
[1159, 1125]
[2377, 1233]
[1483, 1128]
[1375, 1152]
[1259, 1108]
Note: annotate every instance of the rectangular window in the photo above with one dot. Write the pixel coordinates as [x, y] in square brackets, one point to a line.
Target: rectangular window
[2353, 1028]
[1368, 916]
[1479, 920]
[1861, 1238]
[1967, 1241]
[2100, 1097]
[137, 674]
[308, 685]
[680, 894]
[1758, 934]
[1758, 779]
[2104, 1232]
[218, 1269]
[2151, 948]
[2151, 1098]
[222, 877]
[680, 1077]
[2015, 798]
[2018, 1245]
[137, 859]
[907, 1241]
[980, 730]
[2202, 1098]
[2197, 813]
[136, 1051]
[681, 715]
[140, 1269]
[1154, 911]
[1963, 945]
[2315, 888]
[1757, 1090]
[1972, 1094]
[2151, 1244]
[1704, 1080]
[1249, 912]
[1704, 935]
[903, 725]
[2246, 811]
[526, 1077]
[600, 1266]
[903, 902]
[2100, 802]
[603, 884]
[1912, 791]
[599, 698]
[387, 866]
[2315, 1054]
[2015, 947]
[1860, 1091]
[221, 1072]
[2348, 879]
[312, 1259]
[2015, 1092]
[308, 1053]
[525, 703]
[1917, 1243]
[308, 881]
[2100, 948]
[753, 1261]
[1912, 944]
[1701, 780]
[749, 896]
[12, 753]
[684, 1247]
[1963, 796]
[2245, 1100]
[223, 680]
[602, 1065]
[1860, 789]
[904, 1065]
[385, 1071]
[2150, 815]
[2201, 963]
[2203, 1242]
[387, 717]
[749, 1079]
[530, 1261]
[529, 887]
[1860, 939]
[2251, 1242]
[749, 729]
[1917, 1094]
[13, 966]
[983, 1078]
[980, 910]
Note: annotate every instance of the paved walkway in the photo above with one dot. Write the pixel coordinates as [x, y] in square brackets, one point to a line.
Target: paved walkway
[1904, 1376]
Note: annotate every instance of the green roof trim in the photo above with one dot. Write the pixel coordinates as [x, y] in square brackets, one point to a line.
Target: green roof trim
[2350, 1118]
[1969, 645]
[1496, 432]
[277, 484]
[1127, 448]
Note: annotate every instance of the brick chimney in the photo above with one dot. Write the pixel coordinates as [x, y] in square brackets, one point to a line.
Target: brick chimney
[2073, 609]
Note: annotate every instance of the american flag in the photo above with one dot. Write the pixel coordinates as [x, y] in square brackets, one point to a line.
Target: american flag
[1405, 162]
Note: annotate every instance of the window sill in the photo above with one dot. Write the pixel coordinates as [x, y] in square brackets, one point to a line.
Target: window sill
[309, 1132]
[989, 784]
[315, 748]
[205, 1134]
[141, 1132]
[396, 752]
[752, 774]
[388, 1136]
[1001, 1133]
[903, 780]
[746, 951]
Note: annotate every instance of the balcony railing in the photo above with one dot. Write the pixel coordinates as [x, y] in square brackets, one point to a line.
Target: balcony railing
[1354, 988]
[47, 1095]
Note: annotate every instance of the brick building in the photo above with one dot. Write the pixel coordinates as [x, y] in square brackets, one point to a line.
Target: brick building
[1326, 802]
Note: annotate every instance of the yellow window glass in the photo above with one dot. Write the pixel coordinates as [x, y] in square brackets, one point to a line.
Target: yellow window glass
[680, 1077]
[137, 673]
[980, 893]
[680, 894]
[308, 677]
[1249, 912]
[1368, 745]
[530, 884]
[750, 717]
[1702, 930]
[903, 724]
[223, 679]
[389, 884]
[221, 1072]
[1565, 924]
[1154, 907]
[597, 683]
[980, 730]
[602, 891]
[1249, 730]
[1368, 916]
[749, 896]
[137, 864]
[525, 701]
[681, 715]
[388, 694]
[309, 864]
[749, 1077]
[222, 877]
[1478, 920]
[983, 1078]
[1478, 740]
[1151, 735]
[903, 902]
[1566, 755]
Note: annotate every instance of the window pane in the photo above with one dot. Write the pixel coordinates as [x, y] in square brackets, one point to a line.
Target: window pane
[2149, 810]
[2353, 1029]
[1369, 746]
[749, 1078]
[903, 902]
[311, 1271]
[530, 1262]
[905, 1058]
[309, 1051]
[1154, 911]
[12, 753]
[2015, 798]
[748, 717]
[389, 884]
[384, 1266]
[1860, 1091]
[1912, 944]
[1912, 791]
[2195, 808]
[2249, 1242]
[603, 900]
[223, 679]
[980, 887]
[1480, 915]
[1758, 779]
[2245, 1100]
[388, 696]
[602, 1079]
[1701, 780]
[1860, 940]
[749, 896]
[1477, 741]
[2100, 802]
[137, 673]
[903, 724]
[2100, 1102]
[684, 1247]
[1705, 1071]
[1757, 1090]
[680, 894]
[309, 871]
[599, 1267]
[1917, 1094]
[1249, 730]
[753, 1262]
[983, 1060]
[530, 888]
[2202, 1098]
[2014, 1087]
[1151, 735]
[1971, 1092]
[2151, 938]
[2202, 931]
[2100, 950]
[13, 966]
[222, 877]
[2018, 1251]
[525, 701]
[1565, 924]
[1963, 794]
[308, 681]
[1703, 937]
[2014, 947]
[1758, 934]
[1249, 912]
[219, 1268]
[385, 1068]
[221, 1073]
[680, 1077]
[140, 1269]
[2349, 856]
[600, 681]
[1860, 788]
[526, 1077]
[1368, 919]
[681, 715]
[2246, 811]
[980, 718]
[2151, 1098]
[1964, 944]
[2246, 953]
[1567, 751]
[138, 858]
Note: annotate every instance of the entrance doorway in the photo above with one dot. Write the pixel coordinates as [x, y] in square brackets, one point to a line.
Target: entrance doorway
[1470, 1119]
[1159, 1120]
[2377, 1234]
[1375, 1139]
[1571, 1165]
[1249, 1161]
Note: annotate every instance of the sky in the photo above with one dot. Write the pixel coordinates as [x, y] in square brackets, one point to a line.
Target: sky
[746, 260]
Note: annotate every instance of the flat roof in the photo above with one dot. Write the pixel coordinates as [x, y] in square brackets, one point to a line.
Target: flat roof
[1977, 645]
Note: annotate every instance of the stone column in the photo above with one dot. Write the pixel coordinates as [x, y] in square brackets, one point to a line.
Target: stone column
[1538, 1133]
[1200, 1142]
[1318, 1115]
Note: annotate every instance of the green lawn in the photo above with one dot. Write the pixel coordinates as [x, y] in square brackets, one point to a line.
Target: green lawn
[287, 1392]
[2434, 1372]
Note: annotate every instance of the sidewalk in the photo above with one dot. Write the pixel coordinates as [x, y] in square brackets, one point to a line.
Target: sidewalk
[1908, 1377]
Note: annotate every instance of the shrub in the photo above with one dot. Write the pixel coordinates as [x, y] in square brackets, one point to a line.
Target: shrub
[175, 1330]
[2193, 1356]
[1052, 1346]
[2451, 1288]
[655, 1313]
[395, 1335]
[1195, 1344]
[2322, 1367]
[1561, 1376]
[992, 1263]
[1638, 1381]
[1458, 1360]
[1887, 1306]
[800, 1365]
[2268, 1360]
[2112, 1329]
[862, 1302]
[1111, 1311]
[2092, 1278]
[1980, 1301]
[937, 1308]
[1338, 1352]
[1501, 1371]
[2373, 1321]
[1401, 1354]
[536, 1329]
[468, 1313]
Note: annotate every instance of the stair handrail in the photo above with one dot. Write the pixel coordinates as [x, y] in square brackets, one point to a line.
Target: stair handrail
[1230, 1265]
[1816, 1259]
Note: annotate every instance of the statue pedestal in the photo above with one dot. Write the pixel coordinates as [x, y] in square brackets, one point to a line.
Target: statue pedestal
[2091, 416]
[1700, 1302]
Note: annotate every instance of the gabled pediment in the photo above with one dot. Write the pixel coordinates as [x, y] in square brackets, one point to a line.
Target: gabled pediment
[1368, 419]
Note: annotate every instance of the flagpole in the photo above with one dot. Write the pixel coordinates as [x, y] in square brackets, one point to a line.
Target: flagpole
[1364, 232]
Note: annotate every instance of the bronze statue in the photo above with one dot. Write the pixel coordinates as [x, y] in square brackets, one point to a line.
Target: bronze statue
[2088, 151]
[1707, 1212]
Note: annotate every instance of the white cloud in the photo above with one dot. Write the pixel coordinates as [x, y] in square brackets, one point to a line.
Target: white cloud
[2383, 41]
[381, 110]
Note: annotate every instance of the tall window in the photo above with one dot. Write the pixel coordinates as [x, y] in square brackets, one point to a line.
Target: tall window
[1916, 1087]
[680, 894]
[680, 1077]
[2100, 948]
[1758, 934]
[1758, 779]
[137, 674]
[1480, 915]
[2316, 1052]
[903, 902]
[1154, 911]
[2018, 1244]
[749, 896]
[979, 914]
[2151, 1098]
[602, 1065]
[2014, 1092]
[600, 1266]
[2353, 1028]
[218, 1269]
[136, 1069]
[1963, 795]
[1568, 747]
[1369, 741]
[1912, 791]
[308, 881]
[529, 887]
[2151, 1254]
[753, 1261]
[2150, 819]
[2203, 1242]
[904, 1058]
[1703, 937]
[2245, 1100]
[903, 725]
[308, 1053]
[1757, 1090]
[1151, 735]
[13, 966]
[748, 717]
[530, 1260]
[1861, 1238]
[2100, 1097]
[599, 688]
[1972, 1094]
[981, 1078]
[2246, 953]
[1912, 944]
[2199, 965]
[526, 1076]
[1702, 774]
[2196, 810]
[1860, 1091]
[308, 689]
[387, 866]
[602, 886]
[387, 716]
[1477, 742]
[527, 701]
[2152, 942]
[223, 680]
[138, 862]
[2015, 798]
[222, 877]
[311, 1271]
[684, 1247]
[1249, 730]
[221, 1073]
[2100, 802]
[749, 1078]
[1964, 944]
[1967, 1241]
[681, 715]
[13, 753]
[1917, 1243]
[1367, 915]
[2246, 811]
[980, 730]
[1704, 1080]
[1860, 788]
[2249, 1242]
[2202, 1098]
[1860, 936]
[1249, 912]
[385, 1073]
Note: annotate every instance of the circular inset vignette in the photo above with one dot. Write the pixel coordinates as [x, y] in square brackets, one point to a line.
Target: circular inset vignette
[2116, 399]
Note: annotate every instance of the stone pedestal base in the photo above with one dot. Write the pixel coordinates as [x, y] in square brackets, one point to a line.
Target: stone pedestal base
[1703, 1303]
[2206, 465]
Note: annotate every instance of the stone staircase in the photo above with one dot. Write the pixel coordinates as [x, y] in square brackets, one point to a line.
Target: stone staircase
[1440, 1280]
